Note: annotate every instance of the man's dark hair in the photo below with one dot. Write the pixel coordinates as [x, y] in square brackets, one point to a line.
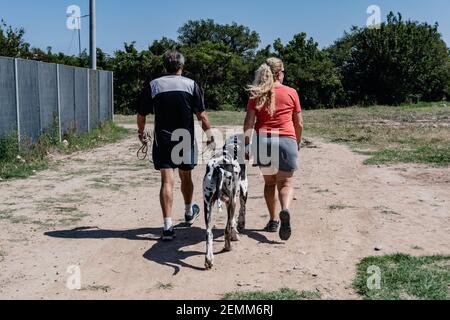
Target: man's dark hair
[173, 61]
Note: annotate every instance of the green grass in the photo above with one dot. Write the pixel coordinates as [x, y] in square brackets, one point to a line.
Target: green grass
[105, 289]
[107, 133]
[165, 286]
[21, 161]
[405, 277]
[405, 134]
[6, 214]
[335, 207]
[282, 294]
[410, 133]
[217, 118]
[227, 118]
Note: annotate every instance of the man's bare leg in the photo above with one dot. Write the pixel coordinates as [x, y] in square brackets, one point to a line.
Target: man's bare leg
[166, 194]
[187, 186]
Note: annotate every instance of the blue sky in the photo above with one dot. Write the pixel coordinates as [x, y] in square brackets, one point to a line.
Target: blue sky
[145, 21]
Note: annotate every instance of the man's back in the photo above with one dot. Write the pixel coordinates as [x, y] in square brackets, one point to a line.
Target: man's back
[173, 100]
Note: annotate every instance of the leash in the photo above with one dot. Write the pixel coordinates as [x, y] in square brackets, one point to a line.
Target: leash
[147, 140]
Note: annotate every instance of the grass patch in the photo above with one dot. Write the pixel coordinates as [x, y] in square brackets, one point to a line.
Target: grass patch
[21, 161]
[439, 155]
[405, 277]
[387, 211]
[164, 286]
[97, 288]
[282, 294]
[217, 118]
[410, 133]
[227, 118]
[6, 214]
[2, 255]
[405, 134]
[107, 133]
[18, 219]
[335, 207]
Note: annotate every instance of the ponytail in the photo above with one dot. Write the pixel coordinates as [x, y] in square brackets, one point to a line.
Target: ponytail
[262, 89]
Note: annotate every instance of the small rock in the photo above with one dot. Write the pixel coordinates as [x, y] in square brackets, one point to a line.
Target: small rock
[19, 158]
[378, 248]
[295, 198]
[65, 143]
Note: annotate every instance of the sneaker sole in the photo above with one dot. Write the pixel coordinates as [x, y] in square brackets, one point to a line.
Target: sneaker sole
[194, 219]
[285, 229]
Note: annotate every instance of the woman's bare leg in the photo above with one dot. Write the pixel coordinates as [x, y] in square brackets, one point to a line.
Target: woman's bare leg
[285, 189]
[270, 196]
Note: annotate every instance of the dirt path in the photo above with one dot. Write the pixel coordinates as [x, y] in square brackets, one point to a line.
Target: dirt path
[343, 210]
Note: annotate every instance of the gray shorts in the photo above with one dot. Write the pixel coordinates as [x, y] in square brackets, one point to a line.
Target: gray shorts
[280, 153]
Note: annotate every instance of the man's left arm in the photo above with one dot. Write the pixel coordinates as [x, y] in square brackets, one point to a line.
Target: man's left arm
[200, 111]
[206, 125]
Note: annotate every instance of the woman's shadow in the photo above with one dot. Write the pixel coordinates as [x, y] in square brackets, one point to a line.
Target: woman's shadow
[170, 254]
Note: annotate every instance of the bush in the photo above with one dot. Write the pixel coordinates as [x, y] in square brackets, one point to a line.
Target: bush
[403, 61]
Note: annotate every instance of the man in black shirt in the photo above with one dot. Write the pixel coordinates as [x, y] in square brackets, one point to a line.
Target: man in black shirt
[174, 100]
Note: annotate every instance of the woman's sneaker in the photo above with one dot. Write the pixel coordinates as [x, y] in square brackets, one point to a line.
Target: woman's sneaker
[193, 216]
[272, 226]
[169, 235]
[285, 229]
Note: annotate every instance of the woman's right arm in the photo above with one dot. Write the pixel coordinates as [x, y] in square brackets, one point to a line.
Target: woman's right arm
[249, 124]
[298, 125]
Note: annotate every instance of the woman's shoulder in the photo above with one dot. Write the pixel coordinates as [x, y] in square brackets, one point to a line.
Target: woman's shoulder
[287, 89]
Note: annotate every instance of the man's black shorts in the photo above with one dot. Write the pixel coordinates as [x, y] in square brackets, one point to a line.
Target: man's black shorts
[163, 159]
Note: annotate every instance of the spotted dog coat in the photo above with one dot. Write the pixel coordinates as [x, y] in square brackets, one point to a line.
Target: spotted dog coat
[225, 181]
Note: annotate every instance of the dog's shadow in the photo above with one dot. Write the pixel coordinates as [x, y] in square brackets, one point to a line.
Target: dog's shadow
[170, 254]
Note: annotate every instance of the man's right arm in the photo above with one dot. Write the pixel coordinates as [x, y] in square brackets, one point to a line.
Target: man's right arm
[141, 121]
[144, 107]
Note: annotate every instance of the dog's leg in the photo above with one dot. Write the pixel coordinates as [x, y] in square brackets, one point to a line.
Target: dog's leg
[234, 230]
[243, 196]
[231, 212]
[209, 261]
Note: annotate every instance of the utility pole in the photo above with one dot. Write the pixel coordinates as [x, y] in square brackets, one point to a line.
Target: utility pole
[79, 37]
[93, 35]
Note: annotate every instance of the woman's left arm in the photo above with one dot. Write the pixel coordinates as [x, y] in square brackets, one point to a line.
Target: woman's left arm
[298, 124]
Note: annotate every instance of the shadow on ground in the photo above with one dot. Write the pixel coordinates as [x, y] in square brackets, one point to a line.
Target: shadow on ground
[170, 254]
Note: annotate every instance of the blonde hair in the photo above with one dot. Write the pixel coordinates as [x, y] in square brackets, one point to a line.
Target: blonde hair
[262, 89]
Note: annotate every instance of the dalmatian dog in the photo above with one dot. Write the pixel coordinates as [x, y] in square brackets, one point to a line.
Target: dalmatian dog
[226, 182]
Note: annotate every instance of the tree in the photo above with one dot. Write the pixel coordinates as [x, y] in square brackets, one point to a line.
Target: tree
[159, 47]
[12, 43]
[400, 62]
[132, 71]
[310, 71]
[240, 39]
[219, 71]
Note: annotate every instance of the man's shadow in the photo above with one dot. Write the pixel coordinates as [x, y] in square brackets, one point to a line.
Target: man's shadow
[169, 254]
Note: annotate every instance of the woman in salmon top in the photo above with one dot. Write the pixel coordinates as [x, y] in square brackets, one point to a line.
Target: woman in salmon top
[274, 112]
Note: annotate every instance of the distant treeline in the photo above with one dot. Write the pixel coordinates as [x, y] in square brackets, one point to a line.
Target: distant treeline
[402, 61]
